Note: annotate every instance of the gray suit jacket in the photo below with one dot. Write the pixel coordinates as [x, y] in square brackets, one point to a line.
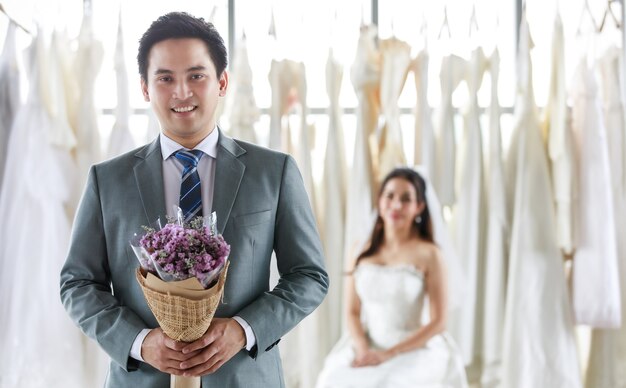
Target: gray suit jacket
[261, 207]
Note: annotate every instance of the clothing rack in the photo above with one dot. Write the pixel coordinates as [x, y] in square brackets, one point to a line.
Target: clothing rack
[12, 20]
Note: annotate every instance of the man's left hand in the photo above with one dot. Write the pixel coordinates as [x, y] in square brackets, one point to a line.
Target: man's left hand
[224, 338]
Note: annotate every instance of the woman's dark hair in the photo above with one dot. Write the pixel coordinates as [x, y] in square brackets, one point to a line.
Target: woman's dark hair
[178, 25]
[423, 229]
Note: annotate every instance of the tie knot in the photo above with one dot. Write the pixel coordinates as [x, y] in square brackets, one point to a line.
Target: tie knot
[189, 158]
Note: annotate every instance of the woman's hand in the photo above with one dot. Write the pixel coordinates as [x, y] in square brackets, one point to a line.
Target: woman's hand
[369, 357]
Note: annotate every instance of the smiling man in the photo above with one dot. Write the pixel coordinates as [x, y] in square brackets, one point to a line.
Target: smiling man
[261, 207]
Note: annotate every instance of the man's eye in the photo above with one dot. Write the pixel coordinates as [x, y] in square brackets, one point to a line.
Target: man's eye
[197, 76]
[165, 79]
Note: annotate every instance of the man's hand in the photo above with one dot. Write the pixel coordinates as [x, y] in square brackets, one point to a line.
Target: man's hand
[164, 353]
[224, 338]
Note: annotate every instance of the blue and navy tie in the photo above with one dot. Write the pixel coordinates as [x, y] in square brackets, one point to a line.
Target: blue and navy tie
[190, 193]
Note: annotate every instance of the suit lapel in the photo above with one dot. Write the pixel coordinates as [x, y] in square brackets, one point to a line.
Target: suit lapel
[149, 178]
[228, 174]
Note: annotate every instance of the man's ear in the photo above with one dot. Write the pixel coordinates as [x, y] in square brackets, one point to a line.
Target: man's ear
[144, 90]
[223, 83]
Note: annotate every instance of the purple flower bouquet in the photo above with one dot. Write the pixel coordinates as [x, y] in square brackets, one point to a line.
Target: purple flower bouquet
[178, 251]
[182, 273]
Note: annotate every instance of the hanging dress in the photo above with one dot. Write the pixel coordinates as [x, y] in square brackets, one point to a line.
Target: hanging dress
[496, 258]
[595, 272]
[39, 341]
[334, 205]
[425, 145]
[87, 65]
[121, 140]
[469, 222]
[560, 143]
[300, 348]
[396, 58]
[240, 103]
[450, 76]
[538, 342]
[608, 346]
[365, 77]
[9, 92]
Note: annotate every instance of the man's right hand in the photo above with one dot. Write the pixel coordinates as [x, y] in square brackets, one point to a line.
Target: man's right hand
[164, 353]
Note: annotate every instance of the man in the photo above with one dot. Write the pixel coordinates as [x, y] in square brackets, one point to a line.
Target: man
[261, 207]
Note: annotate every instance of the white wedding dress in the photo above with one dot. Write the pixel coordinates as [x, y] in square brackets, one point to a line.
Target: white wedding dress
[392, 300]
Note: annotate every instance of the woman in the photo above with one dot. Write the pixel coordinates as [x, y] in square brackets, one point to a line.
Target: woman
[388, 345]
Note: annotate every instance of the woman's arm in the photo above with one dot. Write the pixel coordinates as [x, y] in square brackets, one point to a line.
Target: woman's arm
[355, 328]
[436, 289]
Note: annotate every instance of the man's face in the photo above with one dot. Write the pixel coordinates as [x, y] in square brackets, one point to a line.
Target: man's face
[183, 89]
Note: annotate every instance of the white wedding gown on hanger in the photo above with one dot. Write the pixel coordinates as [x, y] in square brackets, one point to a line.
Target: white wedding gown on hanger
[41, 347]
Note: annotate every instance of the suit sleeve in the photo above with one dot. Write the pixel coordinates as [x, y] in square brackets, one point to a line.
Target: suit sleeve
[303, 282]
[86, 283]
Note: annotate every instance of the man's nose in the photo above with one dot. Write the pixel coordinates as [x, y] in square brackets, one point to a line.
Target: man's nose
[182, 91]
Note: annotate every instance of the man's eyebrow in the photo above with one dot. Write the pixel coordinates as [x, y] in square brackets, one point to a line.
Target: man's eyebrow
[191, 69]
[162, 71]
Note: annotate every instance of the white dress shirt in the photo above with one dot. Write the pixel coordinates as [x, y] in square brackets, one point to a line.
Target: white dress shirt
[172, 176]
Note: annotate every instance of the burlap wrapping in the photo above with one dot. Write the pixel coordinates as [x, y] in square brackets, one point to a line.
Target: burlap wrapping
[183, 319]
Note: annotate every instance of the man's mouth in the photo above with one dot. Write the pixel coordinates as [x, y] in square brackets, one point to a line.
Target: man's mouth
[184, 109]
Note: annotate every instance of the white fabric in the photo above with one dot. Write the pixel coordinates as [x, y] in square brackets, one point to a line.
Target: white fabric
[538, 342]
[496, 259]
[561, 143]
[595, 272]
[86, 66]
[457, 281]
[120, 140]
[39, 340]
[135, 350]
[290, 132]
[396, 58]
[240, 103]
[360, 203]
[608, 347]
[289, 89]
[425, 145]
[469, 221]
[451, 74]
[334, 205]
[392, 299]
[9, 92]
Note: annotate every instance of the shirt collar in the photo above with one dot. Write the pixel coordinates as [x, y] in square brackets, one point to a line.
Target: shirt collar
[207, 146]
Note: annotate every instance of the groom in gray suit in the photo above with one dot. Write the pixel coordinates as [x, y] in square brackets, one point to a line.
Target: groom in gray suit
[261, 207]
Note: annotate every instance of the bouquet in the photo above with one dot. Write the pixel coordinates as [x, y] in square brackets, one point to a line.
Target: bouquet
[182, 272]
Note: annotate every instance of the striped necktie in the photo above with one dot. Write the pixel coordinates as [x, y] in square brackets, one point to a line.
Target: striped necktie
[190, 193]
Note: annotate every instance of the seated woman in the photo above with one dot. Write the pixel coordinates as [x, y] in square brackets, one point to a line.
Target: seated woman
[388, 346]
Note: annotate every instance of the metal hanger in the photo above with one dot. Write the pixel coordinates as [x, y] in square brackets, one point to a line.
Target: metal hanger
[13, 20]
[473, 21]
[445, 24]
[586, 11]
[609, 12]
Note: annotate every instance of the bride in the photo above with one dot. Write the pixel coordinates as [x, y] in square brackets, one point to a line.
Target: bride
[388, 343]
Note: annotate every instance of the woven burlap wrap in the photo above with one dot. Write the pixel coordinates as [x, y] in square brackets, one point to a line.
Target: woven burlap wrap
[183, 319]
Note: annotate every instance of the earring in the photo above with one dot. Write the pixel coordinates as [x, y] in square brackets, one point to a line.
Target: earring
[418, 219]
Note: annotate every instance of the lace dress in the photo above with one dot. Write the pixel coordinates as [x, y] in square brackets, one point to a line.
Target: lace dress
[392, 300]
